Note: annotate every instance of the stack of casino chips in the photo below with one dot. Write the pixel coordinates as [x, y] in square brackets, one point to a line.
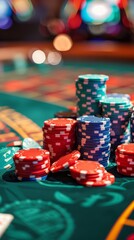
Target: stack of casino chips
[89, 173]
[90, 89]
[93, 138]
[32, 164]
[132, 127]
[59, 136]
[119, 111]
[125, 159]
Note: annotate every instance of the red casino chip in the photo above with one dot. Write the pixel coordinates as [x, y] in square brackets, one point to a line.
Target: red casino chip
[129, 168]
[28, 167]
[59, 142]
[59, 137]
[60, 134]
[124, 163]
[95, 177]
[32, 163]
[85, 168]
[126, 148]
[15, 144]
[55, 131]
[126, 169]
[125, 157]
[107, 180]
[60, 123]
[125, 172]
[65, 161]
[32, 173]
[31, 154]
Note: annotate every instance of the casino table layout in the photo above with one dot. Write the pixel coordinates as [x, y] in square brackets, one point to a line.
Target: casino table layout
[59, 208]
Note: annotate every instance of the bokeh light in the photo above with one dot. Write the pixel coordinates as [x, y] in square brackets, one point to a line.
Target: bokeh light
[99, 12]
[74, 21]
[38, 56]
[130, 11]
[5, 23]
[77, 3]
[54, 58]
[68, 10]
[56, 26]
[23, 9]
[116, 2]
[5, 9]
[97, 29]
[62, 42]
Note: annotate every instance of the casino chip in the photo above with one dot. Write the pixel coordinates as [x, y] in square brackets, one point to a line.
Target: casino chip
[118, 95]
[90, 174]
[119, 111]
[32, 154]
[15, 144]
[31, 178]
[65, 161]
[93, 138]
[125, 159]
[29, 143]
[126, 149]
[59, 137]
[90, 89]
[132, 127]
[32, 164]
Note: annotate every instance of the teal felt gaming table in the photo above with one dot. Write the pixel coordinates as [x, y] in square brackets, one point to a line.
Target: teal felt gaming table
[59, 208]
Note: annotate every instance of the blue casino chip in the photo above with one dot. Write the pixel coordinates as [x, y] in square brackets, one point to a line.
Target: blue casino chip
[93, 138]
[43, 178]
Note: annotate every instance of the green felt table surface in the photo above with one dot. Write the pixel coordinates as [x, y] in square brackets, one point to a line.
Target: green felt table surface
[59, 208]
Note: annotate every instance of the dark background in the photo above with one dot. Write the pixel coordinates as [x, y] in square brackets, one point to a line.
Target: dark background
[43, 20]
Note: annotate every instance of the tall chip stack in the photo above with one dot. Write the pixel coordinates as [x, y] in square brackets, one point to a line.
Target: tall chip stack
[59, 137]
[119, 111]
[93, 138]
[90, 89]
[132, 127]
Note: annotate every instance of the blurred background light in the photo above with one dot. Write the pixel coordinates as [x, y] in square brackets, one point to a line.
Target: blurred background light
[98, 12]
[54, 58]
[68, 10]
[33, 20]
[23, 9]
[74, 21]
[130, 11]
[62, 42]
[38, 56]
[5, 9]
[55, 26]
[5, 23]
[97, 29]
